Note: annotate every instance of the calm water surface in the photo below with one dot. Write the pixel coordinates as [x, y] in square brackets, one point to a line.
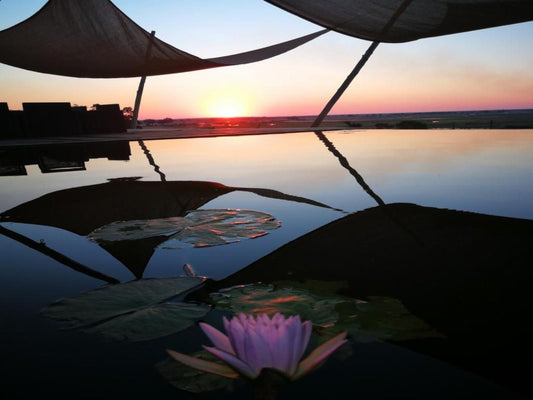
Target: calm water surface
[303, 180]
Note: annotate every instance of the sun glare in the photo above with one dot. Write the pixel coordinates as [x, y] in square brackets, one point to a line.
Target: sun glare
[226, 105]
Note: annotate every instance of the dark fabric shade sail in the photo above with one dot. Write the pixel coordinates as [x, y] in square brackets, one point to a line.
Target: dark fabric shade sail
[412, 19]
[94, 39]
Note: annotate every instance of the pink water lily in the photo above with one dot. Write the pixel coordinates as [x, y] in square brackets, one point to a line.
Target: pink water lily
[254, 343]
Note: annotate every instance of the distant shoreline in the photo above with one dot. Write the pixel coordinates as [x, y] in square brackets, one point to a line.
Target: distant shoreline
[476, 119]
[215, 127]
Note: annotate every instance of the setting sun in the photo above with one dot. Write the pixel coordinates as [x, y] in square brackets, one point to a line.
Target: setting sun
[227, 105]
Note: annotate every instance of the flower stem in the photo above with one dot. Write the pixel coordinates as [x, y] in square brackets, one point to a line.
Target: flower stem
[267, 385]
[265, 392]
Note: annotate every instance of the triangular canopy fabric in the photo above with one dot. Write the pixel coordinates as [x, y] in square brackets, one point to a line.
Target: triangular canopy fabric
[405, 20]
[94, 39]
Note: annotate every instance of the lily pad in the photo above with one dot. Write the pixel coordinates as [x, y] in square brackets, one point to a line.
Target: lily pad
[186, 378]
[268, 299]
[136, 310]
[382, 318]
[199, 228]
[378, 318]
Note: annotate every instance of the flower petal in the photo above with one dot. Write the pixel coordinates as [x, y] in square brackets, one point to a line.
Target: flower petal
[226, 323]
[319, 354]
[253, 356]
[296, 344]
[265, 344]
[203, 365]
[282, 351]
[236, 334]
[278, 319]
[233, 362]
[307, 327]
[220, 340]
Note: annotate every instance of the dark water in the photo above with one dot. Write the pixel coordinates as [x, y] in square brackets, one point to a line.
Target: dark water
[303, 180]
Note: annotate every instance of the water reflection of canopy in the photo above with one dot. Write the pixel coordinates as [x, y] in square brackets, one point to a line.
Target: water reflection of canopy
[83, 209]
[94, 39]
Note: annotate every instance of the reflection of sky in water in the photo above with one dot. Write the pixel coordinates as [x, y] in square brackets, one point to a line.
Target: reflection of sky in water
[479, 170]
[485, 171]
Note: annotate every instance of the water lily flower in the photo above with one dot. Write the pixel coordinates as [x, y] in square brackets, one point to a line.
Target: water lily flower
[256, 343]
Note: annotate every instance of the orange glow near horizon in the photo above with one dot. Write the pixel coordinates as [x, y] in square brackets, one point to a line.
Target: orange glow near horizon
[226, 104]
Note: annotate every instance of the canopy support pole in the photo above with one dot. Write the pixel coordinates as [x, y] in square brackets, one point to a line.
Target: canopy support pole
[359, 65]
[345, 84]
[141, 86]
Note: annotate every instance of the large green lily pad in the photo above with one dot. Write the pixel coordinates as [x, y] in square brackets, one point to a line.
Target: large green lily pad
[136, 310]
[260, 298]
[374, 318]
[199, 228]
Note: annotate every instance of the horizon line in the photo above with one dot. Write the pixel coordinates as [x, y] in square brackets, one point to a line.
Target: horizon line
[354, 114]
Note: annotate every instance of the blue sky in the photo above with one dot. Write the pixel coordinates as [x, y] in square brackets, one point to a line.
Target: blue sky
[485, 69]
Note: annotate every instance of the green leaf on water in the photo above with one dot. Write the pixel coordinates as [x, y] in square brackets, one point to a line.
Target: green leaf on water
[379, 318]
[199, 228]
[151, 322]
[259, 298]
[383, 318]
[136, 310]
[186, 378]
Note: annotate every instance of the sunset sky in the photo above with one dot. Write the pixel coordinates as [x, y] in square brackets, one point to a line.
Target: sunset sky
[486, 69]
